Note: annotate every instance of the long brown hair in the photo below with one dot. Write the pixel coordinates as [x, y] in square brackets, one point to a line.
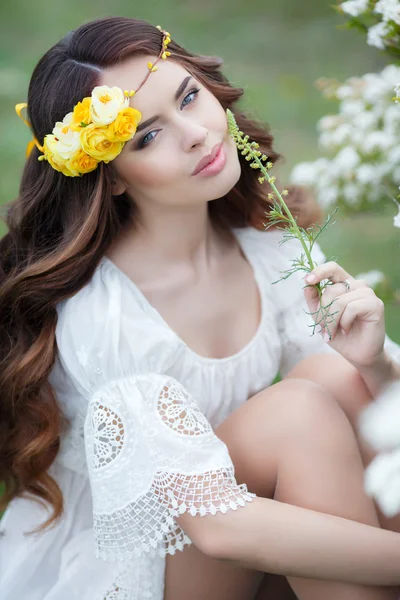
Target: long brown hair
[60, 227]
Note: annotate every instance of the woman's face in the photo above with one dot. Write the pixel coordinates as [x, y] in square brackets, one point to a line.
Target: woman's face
[157, 164]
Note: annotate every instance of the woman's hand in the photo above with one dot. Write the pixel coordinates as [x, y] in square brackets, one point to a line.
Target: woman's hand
[357, 330]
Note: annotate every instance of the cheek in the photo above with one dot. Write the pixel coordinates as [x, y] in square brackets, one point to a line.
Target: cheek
[153, 174]
[149, 173]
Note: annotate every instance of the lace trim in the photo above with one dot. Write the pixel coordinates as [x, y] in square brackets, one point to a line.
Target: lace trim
[180, 412]
[108, 435]
[148, 526]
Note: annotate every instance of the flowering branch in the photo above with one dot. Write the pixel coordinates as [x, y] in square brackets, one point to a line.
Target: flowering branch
[280, 214]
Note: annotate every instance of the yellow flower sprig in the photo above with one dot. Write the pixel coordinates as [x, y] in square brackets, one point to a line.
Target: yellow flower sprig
[280, 214]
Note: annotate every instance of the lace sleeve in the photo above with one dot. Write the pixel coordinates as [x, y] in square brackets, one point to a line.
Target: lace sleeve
[152, 456]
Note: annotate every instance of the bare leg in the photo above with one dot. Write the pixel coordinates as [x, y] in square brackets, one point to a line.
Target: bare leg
[289, 444]
[344, 383]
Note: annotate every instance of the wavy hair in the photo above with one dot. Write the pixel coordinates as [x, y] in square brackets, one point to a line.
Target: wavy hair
[60, 227]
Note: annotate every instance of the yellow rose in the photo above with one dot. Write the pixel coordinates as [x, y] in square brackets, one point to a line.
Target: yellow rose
[81, 163]
[125, 125]
[50, 149]
[95, 142]
[81, 114]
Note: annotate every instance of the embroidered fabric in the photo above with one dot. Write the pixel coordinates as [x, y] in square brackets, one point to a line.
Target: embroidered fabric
[152, 456]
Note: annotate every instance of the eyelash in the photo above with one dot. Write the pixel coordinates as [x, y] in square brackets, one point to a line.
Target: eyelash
[141, 143]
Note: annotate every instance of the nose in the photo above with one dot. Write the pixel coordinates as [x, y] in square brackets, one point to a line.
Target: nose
[193, 134]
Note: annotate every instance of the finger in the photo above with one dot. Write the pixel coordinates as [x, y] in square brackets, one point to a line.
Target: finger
[338, 289]
[367, 309]
[311, 296]
[330, 270]
[329, 314]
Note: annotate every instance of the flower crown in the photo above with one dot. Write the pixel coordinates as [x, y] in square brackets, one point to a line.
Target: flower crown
[96, 130]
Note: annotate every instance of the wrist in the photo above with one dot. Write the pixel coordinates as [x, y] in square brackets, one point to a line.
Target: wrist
[380, 373]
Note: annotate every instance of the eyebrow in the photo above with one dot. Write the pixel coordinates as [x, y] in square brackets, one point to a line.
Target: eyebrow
[178, 92]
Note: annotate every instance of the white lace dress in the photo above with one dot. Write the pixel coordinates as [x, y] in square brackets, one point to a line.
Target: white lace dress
[140, 447]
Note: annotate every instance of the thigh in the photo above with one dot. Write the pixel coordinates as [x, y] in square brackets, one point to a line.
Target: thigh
[192, 574]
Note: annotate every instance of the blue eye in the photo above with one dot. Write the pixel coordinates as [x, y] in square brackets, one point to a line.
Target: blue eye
[143, 142]
[192, 93]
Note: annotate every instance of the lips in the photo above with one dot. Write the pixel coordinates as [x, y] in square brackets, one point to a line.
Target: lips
[207, 159]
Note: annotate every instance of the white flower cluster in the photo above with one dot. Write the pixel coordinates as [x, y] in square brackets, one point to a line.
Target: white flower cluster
[379, 425]
[360, 145]
[387, 11]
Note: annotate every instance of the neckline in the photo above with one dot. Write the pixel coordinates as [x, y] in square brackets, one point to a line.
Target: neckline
[157, 315]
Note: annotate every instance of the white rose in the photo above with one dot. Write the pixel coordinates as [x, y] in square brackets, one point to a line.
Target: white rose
[68, 141]
[106, 104]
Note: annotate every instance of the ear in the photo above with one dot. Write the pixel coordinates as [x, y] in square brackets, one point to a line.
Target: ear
[119, 187]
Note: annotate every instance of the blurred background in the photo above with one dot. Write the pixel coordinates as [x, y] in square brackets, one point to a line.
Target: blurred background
[275, 50]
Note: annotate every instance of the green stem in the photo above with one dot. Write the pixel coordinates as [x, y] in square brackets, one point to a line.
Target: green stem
[286, 209]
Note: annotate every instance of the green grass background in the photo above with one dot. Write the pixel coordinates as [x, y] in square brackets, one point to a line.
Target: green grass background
[275, 50]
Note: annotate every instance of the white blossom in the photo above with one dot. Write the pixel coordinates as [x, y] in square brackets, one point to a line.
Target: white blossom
[389, 9]
[354, 7]
[379, 425]
[351, 193]
[304, 173]
[375, 35]
[382, 481]
[359, 145]
[329, 196]
[379, 422]
[367, 173]
[397, 92]
[378, 140]
[396, 219]
[329, 122]
[353, 107]
[347, 159]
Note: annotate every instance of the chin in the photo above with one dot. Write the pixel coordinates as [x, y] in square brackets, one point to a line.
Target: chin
[228, 177]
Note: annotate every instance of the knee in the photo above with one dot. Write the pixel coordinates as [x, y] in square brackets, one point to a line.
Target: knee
[339, 378]
[308, 412]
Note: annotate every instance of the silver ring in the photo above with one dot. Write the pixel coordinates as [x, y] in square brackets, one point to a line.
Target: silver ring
[346, 284]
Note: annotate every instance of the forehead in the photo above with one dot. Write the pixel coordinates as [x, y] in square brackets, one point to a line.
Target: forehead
[129, 74]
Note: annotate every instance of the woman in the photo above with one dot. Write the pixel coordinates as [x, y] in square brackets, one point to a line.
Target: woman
[129, 295]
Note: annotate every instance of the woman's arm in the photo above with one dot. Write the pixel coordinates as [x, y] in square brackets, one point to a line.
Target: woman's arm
[274, 537]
